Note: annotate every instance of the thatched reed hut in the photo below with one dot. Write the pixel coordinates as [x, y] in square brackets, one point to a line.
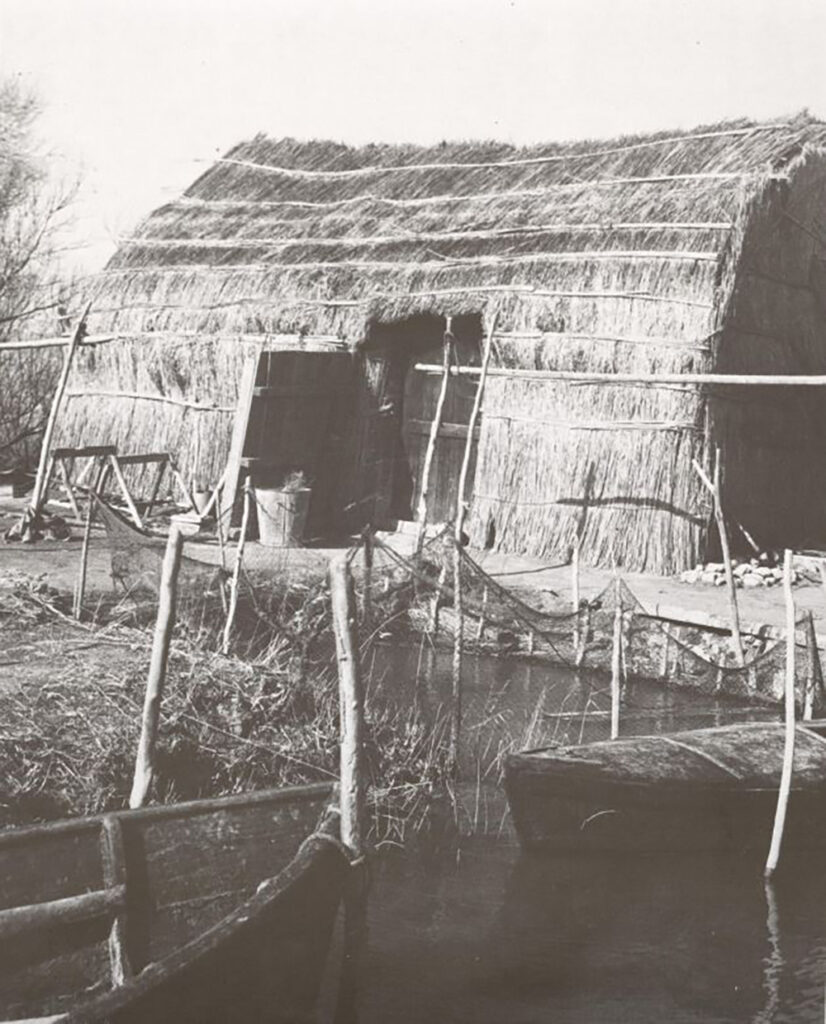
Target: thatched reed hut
[674, 252]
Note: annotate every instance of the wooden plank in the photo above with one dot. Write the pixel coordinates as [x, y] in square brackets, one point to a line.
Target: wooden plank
[18, 921]
[445, 429]
[143, 460]
[78, 453]
[271, 391]
[246, 388]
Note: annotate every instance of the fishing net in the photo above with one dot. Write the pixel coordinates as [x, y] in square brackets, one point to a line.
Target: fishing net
[417, 590]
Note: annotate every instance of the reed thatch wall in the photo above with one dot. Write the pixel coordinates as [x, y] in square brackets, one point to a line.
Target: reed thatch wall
[772, 439]
[194, 389]
[617, 255]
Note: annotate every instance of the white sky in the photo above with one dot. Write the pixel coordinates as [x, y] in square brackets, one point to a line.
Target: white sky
[141, 93]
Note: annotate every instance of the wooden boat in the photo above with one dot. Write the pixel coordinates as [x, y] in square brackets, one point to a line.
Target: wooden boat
[207, 911]
[705, 789]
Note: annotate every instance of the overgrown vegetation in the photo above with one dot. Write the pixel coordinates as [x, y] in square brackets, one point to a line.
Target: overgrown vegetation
[229, 724]
[34, 288]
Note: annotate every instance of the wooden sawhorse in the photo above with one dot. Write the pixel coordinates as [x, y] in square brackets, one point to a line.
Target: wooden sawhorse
[107, 460]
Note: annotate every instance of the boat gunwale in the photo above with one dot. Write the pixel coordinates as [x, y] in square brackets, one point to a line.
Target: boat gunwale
[321, 843]
[691, 786]
[276, 795]
[540, 761]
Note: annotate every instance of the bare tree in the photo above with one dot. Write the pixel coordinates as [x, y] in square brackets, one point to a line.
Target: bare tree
[33, 208]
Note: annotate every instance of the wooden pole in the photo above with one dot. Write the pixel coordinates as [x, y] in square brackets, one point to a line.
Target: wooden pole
[458, 637]
[575, 595]
[788, 747]
[351, 705]
[461, 507]
[368, 574]
[113, 857]
[585, 628]
[616, 660]
[421, 512]
[236, 571]
[480, 628]
[760, 380]
[48, 433]
[145, 761]
[716, 489]
[80, 590]
[813, 675]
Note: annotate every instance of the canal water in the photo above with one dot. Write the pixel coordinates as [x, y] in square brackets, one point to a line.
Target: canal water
[463, 927]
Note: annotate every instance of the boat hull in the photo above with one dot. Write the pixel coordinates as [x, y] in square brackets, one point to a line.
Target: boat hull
[220, 910]
[554, 811]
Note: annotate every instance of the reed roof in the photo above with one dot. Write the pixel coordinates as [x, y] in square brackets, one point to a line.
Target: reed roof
[283, 236]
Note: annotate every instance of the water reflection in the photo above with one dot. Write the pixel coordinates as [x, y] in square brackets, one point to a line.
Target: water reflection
[492, 936]
[470, 930]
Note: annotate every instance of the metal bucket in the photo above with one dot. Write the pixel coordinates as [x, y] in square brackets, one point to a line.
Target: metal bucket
[282, 516]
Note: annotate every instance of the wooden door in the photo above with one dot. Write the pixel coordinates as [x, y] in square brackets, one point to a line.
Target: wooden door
[297, 423]
[421, 394]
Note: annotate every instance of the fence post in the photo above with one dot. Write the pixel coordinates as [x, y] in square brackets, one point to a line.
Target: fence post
[145, 760]
[788, 746]
[616, 659]
[236, 572]
[351, 705]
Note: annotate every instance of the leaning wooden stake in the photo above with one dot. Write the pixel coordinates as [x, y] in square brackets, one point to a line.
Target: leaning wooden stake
[351, 705]
[145, 761]
[616, 660]
[480, 628]
[368, 574]
[461, 507]
[456, 677]
[813, 675]
[80, 589]
[458, 527]
[435, 426]
[48, 433]
[236, 572]
[575, 596]
[788, 747]
[715, 488]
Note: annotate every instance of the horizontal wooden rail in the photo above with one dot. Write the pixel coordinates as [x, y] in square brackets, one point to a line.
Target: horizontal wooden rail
[282, 241]
[17, 921]
[527, 291]
[445, 429]
[689, 345]
[291, 341]
[60, 342]
[293, 391]
[442, 199]
[550, 158]
[276, 797]
[146, 397]
[583, 377]
[585, 255]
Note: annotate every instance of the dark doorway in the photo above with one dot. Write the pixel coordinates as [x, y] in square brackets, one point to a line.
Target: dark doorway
[414, 400]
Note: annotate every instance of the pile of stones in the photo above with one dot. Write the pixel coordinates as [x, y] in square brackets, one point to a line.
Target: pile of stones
[749, 574]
